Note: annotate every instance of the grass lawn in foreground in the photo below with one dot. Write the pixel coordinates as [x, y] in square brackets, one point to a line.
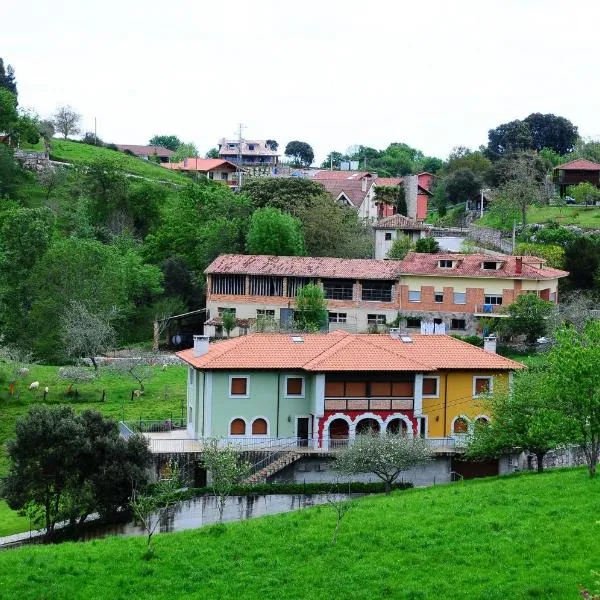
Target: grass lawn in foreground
[527, 536]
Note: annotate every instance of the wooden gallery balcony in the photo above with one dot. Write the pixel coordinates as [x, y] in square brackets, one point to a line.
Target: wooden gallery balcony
[381, 393]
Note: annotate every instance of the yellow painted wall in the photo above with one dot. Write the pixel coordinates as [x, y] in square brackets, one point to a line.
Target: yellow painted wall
[459, 401]
[490, 285]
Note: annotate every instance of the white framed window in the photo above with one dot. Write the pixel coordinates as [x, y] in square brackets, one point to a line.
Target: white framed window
[237, 426]
[222, 309]
[446, 264]
[260, 427]
[489, 265]
[388, 235]
[294, 386]
[482, 385]
[414, 296]
[460, 298]
[335, 317]
[438, 297]
[460, 324]
[265, 312]
[431, 386]
[239, 386]
[493, 299]
[376, 319]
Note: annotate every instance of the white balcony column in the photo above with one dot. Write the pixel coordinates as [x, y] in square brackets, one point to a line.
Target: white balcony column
[418, 401]
[319, 401]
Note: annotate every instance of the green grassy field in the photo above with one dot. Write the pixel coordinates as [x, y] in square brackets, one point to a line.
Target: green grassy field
[528, 536]
[566, 215]
[163, 397]
[82, 154]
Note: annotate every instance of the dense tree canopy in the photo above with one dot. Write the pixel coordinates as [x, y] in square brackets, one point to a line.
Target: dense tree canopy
[274, 232]
[171, 142]
[301, 153]
[7, 78]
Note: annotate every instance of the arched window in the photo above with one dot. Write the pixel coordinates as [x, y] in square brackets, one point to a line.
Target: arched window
[259, 427]
[237, 427]
[461, 426]
[367, 426]
[338, 430]
[397, 427]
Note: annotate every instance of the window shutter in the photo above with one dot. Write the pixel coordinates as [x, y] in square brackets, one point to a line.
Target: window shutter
[430, 386]
[294, 386]
[238, 386]
[259, 427]
[238, 427]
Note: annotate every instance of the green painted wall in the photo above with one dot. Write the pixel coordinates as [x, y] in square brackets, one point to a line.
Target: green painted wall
[265, 388]
[195, 399]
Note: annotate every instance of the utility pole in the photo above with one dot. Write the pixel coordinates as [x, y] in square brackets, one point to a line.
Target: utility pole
[481, 207]
[241, 127]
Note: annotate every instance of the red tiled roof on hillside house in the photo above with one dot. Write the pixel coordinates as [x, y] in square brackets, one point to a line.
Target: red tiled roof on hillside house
[202, 165]
[145, 150]
[470, 265]
[399, 222]
[342, 351]
[304, 266]
[388, 181]
[353, 190]
[579, 164]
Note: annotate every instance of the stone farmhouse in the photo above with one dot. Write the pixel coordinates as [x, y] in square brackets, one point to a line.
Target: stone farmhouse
[451, 291]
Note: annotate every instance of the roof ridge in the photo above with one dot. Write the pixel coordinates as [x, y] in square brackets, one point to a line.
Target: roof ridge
[403, 355]
[341, 343]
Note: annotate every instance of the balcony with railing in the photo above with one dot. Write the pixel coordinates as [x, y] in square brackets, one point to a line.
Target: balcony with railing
[369, 403]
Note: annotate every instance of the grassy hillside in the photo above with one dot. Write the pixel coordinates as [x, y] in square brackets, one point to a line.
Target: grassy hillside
[82, 154]
[530, 536]
[565, 215]
[162, 399]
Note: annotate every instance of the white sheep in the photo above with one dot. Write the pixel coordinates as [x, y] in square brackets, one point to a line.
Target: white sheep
[46, 389]
[34, 385]
[23, 371]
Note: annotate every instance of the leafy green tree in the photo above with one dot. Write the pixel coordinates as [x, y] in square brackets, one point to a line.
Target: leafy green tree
[394, 195]
[7, 78]
[311, 307]
[528, 316]
[274, 232]
[463, 158]
[300, 153]
[200, 222]
[8, 110]
[11, 173]
[554, 255]
[575, 376]
[227, 468]
[98, 275]
[183, 151]
[427, 244]
[522, 188]
[385, 456]
[552, 132]
[272, 145]
[461, 185]
[106, 185]
[179, 282]
[584, 193]
[400, 248]
[171, 142]
[72, 465]
[229, 321]
[333, 160]
[582, 261]
[213, 153]
[144, 204]
[525, 418]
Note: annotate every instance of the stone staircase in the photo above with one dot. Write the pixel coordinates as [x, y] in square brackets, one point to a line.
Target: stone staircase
[280, 462]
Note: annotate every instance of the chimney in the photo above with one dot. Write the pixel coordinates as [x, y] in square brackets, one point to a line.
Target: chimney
[200, 345]
[489, 344]
[395, 333]
[363, 184]
[519, 265]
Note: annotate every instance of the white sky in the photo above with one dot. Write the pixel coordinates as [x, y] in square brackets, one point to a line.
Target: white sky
[434, 74]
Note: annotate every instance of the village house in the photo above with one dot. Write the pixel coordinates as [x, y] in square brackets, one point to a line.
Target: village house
[214, 169]
[575, 171]
[318, 391]
[451, 291]
[387, 230]
[255, 156]
[147, 152]
[358, 189]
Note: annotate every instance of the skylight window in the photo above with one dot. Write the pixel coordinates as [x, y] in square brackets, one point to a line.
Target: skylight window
[297, 339]
[406, 339]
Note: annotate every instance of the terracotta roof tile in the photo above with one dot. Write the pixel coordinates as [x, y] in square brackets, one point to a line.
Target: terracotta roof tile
[388, 181]
[201, 165]
[341, 175]
[470, 265]
[305, 266]
[352, 189]
[341, 351]
[399, 222]
[579, 164]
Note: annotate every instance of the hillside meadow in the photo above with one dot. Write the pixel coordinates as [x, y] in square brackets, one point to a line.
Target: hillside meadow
[524, 536]
[164, 396]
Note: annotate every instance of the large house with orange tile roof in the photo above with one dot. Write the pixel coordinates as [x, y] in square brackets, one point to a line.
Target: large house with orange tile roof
[450, 291]
[319, 390]
[358, 189]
